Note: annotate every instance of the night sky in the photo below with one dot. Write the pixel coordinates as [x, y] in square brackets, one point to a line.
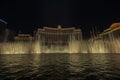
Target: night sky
[28, 15]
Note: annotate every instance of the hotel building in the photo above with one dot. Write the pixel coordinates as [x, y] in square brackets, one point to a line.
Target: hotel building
[23, 37]
[58, 38]
[58, 35]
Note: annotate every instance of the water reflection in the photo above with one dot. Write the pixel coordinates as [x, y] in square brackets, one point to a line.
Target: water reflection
[60, 66]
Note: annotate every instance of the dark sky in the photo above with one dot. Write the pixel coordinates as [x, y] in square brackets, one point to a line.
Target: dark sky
[28, 15]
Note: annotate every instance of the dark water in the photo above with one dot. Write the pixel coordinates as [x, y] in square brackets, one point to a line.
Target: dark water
[60, 67]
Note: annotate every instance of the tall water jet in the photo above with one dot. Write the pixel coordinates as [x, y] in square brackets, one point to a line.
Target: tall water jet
[37, 47]
[98, 46]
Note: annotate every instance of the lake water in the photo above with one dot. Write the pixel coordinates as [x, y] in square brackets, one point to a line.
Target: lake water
[60, 66]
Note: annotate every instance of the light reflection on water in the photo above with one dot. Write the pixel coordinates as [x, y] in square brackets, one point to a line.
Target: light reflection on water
[60, 67]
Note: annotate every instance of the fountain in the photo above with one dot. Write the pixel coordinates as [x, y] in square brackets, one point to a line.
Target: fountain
[74, 46]
[62, 40]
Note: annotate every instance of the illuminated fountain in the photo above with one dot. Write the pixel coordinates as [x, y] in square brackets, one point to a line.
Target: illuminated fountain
[20, 48]
[14, 48]
[106, 42]
[63, 40]
[36, 47]
[98, 47]
[59, 40]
